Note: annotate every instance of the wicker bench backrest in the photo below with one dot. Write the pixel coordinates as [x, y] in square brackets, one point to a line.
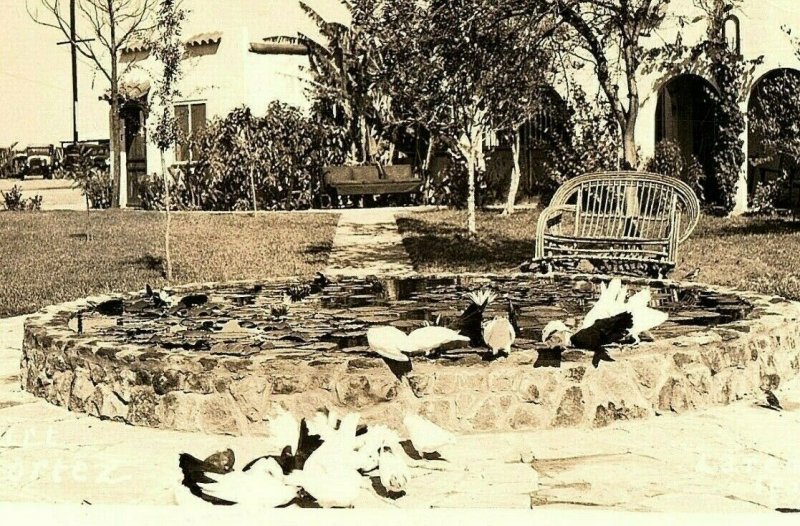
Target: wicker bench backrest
[629, 205]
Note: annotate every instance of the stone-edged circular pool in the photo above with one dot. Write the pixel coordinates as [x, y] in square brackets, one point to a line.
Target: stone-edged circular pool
[220, 356]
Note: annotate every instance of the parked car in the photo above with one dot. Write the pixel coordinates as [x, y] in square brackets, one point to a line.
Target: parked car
[97, 153]
[39, 161]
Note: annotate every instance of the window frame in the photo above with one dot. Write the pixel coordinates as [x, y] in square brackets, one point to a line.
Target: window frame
[190, 126]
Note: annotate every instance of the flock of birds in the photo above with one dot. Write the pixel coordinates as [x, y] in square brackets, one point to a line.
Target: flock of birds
[326, 461]
[615, 318]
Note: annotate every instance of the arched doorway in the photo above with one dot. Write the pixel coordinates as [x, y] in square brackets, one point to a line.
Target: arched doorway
[133, 115]
[685, 115]
[765, 165]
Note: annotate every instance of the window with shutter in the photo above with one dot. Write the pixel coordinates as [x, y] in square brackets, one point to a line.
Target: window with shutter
[191, 119]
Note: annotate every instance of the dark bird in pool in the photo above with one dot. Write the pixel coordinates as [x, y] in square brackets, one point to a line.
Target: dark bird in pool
[470, 323]
[693, 275]
[594, 338]
[112, 307]
[772, 400]
[320, 282]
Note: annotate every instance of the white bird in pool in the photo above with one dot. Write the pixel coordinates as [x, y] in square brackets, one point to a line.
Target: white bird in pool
[393, 344]
[500, 333]
[330, 474]
[426, 436]
[390, 342]
[612, 319]
[264, 485]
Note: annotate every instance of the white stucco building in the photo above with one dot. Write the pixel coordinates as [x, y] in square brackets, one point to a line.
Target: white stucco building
[221, 72]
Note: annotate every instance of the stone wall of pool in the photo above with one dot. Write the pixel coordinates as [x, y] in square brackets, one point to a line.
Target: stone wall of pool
[230, 392]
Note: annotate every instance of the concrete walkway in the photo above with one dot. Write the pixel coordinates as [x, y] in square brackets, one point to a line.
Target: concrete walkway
[367, 242]
[57, 194]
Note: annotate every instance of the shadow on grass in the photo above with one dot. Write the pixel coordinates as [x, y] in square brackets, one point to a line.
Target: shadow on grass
[147, 262]
[442, 244]
[755, 227]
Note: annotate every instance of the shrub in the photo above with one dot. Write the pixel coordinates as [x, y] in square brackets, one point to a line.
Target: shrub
[669, 160]
[15, 202]
[766, 196]
[283, 153]
[95, 183]
[587, 140]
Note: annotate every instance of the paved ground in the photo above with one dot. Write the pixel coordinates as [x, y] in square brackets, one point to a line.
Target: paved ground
[57, 194]
[367, 242]
[737, 458]
[741, 458]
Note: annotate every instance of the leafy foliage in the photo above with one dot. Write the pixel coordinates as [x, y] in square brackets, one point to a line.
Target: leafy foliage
[284, 151]
[94, 182]
[669, 160]
[612, 33]
[732, 75]
[589, 141]
[15, 202]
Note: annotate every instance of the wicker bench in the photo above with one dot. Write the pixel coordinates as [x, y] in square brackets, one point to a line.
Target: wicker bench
[619, 222]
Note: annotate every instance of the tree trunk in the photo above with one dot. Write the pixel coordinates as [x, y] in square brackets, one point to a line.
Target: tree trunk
[115, 127]
[167, 205]
[253, 189]
[630, 155]
[471, 161]
[515, 175]
[426, 163]
[116, 156]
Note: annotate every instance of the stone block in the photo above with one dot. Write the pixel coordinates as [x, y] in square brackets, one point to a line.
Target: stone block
[354, 391]
[571, 409]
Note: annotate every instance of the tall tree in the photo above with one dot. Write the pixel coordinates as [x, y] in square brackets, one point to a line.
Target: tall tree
[453, 66]
[104, 28]
[343, 61]
[168, 50]
[609, 35]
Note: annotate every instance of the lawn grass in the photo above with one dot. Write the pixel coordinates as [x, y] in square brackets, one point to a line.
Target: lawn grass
[747, 253]
[47, 259]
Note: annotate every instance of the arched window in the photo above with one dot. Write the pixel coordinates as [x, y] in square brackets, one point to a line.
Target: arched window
[731, 34]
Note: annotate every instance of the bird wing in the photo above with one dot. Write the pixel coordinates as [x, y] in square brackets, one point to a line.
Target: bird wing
[646, 318]
[639, 300]
[389, 342]
[253, 487]
[432, 337]
[603, 332]
[608, 303]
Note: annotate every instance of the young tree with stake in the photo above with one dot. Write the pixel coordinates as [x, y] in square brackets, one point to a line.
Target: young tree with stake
[168, 50]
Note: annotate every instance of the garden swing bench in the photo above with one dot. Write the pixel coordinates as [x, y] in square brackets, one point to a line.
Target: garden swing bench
[621, 222]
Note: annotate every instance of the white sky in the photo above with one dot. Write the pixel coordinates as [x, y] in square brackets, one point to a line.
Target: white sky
[35, 73]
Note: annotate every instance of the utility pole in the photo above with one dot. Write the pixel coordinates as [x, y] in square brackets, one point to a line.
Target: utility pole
[73, 44]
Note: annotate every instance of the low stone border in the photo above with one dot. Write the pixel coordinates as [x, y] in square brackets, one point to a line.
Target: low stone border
[190, 391]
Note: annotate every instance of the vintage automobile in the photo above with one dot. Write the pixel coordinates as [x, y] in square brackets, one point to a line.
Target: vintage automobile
[39, 161]
[96, 153]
